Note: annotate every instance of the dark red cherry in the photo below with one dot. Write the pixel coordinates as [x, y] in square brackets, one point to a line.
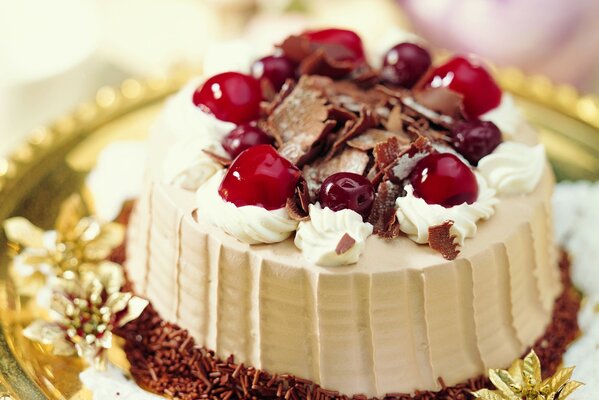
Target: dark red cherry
[261, 177]
[275, 69]
[405, 64]
[346, 190]
[231, 97]
[469, 78]
[475, 139]
[445, 180]
[243, 137]
[344, 37]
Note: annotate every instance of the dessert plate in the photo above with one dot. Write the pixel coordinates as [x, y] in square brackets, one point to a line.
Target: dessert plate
[54, 162]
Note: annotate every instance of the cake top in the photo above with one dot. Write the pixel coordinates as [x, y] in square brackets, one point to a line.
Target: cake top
[319, 143]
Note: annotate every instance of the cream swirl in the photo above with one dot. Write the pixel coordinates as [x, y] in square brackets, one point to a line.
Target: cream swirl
[513, 168]
[416, 216]
[187, 166]
[319, 238]
[248, 224]
[506, 116]
[181, 118]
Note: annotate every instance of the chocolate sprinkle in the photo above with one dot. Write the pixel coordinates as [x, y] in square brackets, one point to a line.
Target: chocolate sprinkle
[166, 360]
[345, 243]
[442, 240]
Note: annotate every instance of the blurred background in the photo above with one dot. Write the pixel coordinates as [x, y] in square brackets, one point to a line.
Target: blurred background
[57, 53]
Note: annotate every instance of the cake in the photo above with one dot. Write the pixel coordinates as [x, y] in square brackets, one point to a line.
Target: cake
[373, 225]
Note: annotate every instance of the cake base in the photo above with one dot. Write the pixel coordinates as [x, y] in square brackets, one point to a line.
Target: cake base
[165, 360]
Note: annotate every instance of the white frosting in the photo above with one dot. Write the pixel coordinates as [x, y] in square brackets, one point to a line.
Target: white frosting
[506, 116]
[118, 177]
[187, 166]
[416, 216]
[248, 224]
[181, 118]
[318, 238]
[513, 168]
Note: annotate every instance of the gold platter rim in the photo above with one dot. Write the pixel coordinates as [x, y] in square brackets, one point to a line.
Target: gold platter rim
[112, 102]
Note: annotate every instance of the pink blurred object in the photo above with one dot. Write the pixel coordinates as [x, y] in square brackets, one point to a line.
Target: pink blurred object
[553, 37]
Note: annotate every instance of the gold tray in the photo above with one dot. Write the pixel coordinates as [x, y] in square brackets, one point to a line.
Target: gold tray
[54, 161]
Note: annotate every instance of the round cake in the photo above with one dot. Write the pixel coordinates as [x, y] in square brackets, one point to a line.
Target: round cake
[373, 224]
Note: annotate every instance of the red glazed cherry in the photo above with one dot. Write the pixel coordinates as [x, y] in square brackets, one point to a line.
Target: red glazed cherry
[405, 64]
[261, 177]
[231, 97]
[346, 190]
[346, 38]
[243, 137]
[445, 180]
[481, 93]
[475, 139]
[274, 69]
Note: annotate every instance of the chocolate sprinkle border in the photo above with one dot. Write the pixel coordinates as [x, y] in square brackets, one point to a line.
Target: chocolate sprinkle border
[165, 360]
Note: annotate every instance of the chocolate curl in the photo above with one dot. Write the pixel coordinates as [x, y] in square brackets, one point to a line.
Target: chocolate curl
[371, 137]
[349, 160]
[298, 205]
[442, 101]
[382, 216]
[224, 161]
[366, 120]
[442, 240]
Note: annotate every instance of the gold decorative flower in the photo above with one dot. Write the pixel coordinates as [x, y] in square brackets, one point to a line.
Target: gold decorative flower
[523, 382]
[85, 309]
[78, 242]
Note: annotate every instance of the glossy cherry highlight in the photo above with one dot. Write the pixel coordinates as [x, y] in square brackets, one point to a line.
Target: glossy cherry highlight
[346, 190]
[243, 137]
[404, 64]
[274, 69]
[475, 139]
[344, 37]
[472, 80]
[261, 177]
[231, 97]
[445, 180]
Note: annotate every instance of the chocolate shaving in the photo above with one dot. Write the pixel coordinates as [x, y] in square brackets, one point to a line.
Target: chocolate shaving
[224, 161]
[382, 216]
[442, 100]
[394, 122]
[298, 204]
[366, 120]
[345, 243]
[385, 153]
[371, 137]
[321, 63]
[349, 160]
[299, 124]
[442, 240]
[268, 108]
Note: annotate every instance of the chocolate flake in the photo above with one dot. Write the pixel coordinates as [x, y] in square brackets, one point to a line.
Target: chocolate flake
[382, 216]
[441, 100]
[366, 120]
[300, 122]
[394, 122]
[385, 153]
[298, 204]
[442, 240]
[371, 137]
[345, 243]
[224, 161]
